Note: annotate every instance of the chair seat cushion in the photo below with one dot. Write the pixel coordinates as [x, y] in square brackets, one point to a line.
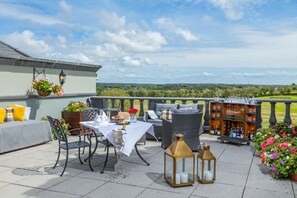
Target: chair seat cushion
[74, 145]
[156, 122]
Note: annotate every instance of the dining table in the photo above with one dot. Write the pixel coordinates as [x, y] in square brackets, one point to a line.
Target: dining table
[132, 132]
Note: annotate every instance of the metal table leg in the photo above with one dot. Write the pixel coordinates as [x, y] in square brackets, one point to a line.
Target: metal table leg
[136, 149]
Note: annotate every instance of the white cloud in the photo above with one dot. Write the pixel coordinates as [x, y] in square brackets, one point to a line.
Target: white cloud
[112, 20]
[23, 13]
[187, 35]
[27, 42]
[168, 25]
[79, 57]
[129, 61]
[165, 23]
[139, 41]
[234, 9]
[66, 7]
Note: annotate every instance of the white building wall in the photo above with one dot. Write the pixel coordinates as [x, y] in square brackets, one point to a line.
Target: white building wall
[17, 81]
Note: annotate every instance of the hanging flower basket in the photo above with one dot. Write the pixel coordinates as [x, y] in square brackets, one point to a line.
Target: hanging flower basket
[44, 93]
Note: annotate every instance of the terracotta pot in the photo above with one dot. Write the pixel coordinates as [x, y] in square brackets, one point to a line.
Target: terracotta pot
[73, 118]
[293, 177]
[44, 93]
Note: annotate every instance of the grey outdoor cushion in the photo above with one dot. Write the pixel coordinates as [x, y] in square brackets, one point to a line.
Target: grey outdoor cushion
[186, 111]
[156, 122]
[188, 106]
[21, 134]
[160, 107]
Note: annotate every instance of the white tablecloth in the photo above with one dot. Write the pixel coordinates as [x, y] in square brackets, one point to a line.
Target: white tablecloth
[134, 131]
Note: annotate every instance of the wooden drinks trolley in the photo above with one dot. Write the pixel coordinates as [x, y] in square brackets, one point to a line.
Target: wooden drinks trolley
[234, 122]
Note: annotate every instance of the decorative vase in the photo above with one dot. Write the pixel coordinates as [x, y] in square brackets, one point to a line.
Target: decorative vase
[133, 118]
[44, 93]
[294, 177]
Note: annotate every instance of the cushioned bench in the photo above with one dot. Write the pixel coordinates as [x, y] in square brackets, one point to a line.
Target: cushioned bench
[17, 135]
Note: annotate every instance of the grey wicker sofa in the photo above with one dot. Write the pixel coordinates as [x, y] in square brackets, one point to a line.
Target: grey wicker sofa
[18, 135]
[186, 123]
[158, 122]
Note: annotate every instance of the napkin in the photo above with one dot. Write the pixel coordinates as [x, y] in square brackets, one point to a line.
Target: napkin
[104, 119]
[97, 120]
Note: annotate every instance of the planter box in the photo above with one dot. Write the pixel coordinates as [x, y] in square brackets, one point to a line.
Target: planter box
[73, 118]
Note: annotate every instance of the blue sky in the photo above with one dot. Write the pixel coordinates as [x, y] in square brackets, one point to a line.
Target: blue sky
[161, 41]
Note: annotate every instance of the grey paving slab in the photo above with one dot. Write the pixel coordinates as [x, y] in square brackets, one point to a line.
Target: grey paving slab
[52, 194]
[114, 190]
[2, 184]
[218, 190]
[3, 169]
[42, 181]
[236, 158]
[162, 185]
[266, 183]
[294, 184]
[10, 177]
[77, 186]
[149, 193]
[253, 192]
[231, 178]
[138, 179]
[235, 168]
[16, 191]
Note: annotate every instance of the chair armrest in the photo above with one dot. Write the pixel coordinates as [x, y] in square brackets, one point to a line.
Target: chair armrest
[145, 116]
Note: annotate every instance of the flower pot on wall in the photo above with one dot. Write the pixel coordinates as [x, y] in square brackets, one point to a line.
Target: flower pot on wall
[73, 118]
[293, 177]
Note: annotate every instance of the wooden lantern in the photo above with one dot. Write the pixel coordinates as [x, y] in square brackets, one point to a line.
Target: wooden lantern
[179, 163]
[206, 166]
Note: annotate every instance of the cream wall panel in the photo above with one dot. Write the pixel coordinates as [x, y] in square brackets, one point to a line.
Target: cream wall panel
[17, 81]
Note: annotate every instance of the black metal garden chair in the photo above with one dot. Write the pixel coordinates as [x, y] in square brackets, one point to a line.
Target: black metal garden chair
[89, 115]
[65, 144]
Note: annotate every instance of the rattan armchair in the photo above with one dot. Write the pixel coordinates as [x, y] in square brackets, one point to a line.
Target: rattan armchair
[187, 124]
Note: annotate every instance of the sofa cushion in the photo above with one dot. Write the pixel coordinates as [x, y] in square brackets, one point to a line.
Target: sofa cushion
[166, 114]
[27, 111]
[2, 115]
[161, 107]
[19, 113]
[9, 115]
[188, 106]
[156, 122]
[186, 111]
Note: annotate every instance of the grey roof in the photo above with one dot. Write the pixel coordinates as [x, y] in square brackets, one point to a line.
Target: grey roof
[12, 56]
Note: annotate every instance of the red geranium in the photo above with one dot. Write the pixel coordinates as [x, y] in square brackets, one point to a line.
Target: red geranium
[133, 111]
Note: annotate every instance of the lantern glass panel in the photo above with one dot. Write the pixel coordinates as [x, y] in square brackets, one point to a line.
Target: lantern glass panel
[169, 168]
[199, 168]
[184, 170]
[208, 170]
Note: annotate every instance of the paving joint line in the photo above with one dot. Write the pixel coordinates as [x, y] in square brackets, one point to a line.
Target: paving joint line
[248, 175]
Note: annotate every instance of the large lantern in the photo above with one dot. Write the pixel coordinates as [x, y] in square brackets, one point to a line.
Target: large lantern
[206, 166]
[179, 163]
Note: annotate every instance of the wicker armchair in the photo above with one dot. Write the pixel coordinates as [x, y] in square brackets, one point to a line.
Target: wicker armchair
[187, 124]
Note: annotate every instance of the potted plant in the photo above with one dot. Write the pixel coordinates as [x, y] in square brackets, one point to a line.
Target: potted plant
[278, 148]
[72, 114]
[45, 88]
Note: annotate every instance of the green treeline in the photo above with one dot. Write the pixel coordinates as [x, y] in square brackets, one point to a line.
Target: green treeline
[193, 90]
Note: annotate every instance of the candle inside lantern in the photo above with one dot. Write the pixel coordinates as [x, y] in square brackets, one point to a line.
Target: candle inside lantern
[177, 178]
[208, 175]
[184, 177]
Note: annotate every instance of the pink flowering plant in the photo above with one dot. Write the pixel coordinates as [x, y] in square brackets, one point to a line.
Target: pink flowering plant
[278, 148]
[46, 86]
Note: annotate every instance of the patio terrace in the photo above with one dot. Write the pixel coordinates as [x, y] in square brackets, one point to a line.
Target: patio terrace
[28, 173]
